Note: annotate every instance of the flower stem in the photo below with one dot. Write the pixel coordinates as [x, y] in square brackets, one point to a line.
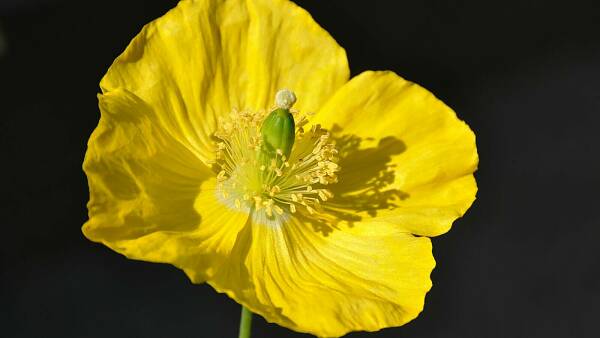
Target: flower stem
[245, 323]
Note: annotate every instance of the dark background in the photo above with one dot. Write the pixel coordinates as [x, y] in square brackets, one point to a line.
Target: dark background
[523, 262]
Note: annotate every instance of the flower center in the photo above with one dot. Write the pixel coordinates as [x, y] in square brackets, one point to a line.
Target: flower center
[274, 182]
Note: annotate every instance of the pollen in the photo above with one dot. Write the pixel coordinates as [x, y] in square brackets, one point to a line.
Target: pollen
[271, 183]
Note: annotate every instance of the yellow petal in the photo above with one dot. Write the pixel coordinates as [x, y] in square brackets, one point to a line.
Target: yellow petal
[151, 198]
[367, 277]
[405, 156]
[205, 57]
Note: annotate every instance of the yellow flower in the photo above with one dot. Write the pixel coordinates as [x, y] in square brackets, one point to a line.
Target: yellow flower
[328, 238]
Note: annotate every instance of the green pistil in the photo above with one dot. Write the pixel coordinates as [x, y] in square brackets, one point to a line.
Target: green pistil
[278, 132]
[278, 129]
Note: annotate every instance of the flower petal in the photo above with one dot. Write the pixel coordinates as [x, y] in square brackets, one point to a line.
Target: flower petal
[405, 156]
[367, 277]
[151, 198]
[205, 57]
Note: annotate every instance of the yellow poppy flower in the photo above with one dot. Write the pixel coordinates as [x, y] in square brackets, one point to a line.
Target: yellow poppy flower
[327, 236]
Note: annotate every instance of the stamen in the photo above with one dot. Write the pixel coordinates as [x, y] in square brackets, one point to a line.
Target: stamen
[274, 183]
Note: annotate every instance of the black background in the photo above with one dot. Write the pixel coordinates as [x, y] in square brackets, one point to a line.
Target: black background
[523, 262]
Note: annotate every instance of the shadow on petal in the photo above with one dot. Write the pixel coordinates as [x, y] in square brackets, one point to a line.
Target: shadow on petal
[364, 181]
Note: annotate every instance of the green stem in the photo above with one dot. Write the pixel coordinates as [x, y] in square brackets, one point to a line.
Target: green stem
[245, 323]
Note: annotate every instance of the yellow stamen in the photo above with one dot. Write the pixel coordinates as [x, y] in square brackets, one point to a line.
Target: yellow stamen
[275, 184]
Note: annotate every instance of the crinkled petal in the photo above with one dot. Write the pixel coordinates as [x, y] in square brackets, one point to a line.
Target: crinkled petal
[405, 156]
[205, 57]
[151, 198]
[365, 277]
